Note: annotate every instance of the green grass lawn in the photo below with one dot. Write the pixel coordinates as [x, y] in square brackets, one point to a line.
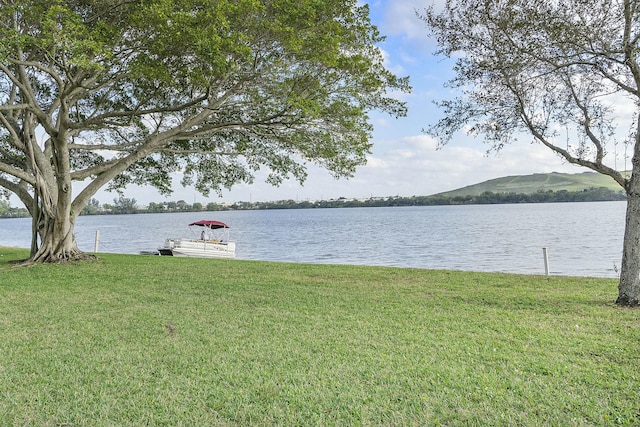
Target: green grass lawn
[140, 340]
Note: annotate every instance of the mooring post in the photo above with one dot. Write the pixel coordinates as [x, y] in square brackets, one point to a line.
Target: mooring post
[95, 248]
[546, 261]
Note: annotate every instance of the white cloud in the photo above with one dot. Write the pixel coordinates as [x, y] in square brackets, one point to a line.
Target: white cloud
[417, 167]
[400, 18]
[396, 69]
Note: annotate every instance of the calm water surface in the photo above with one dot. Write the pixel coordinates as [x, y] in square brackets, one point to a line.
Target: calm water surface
[583, 239]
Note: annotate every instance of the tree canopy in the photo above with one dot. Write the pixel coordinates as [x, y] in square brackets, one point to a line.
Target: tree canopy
[564, 72]
[114, 92]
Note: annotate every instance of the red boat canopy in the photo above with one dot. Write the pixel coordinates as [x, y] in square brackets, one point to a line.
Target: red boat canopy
[210, 224]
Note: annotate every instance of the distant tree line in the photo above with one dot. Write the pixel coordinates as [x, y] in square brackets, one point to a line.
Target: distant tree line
[544, 196]
[601, 194]
[6, 211]
[124, 205]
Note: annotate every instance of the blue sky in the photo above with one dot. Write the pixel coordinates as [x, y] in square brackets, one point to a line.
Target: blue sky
[404, 161]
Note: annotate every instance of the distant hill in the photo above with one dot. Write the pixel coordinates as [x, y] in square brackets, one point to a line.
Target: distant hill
[539, 182]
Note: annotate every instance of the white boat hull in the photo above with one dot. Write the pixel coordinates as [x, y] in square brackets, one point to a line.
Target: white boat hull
[198, 248]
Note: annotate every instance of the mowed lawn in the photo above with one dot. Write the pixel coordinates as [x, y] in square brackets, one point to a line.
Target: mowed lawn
[140, 340]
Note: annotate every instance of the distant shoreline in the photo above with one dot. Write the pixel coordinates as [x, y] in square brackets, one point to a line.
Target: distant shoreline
[601, 194]
[535, 188]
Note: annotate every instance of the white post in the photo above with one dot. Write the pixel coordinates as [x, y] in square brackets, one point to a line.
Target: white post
[546, 261]
[95, 249]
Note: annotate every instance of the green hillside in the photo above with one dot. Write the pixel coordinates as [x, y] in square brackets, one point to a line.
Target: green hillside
[528, 184]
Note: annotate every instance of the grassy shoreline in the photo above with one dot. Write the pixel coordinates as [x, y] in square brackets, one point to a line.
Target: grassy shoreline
[134, 340]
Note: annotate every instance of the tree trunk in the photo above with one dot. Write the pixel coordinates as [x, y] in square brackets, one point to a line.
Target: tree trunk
[53, 224]
[57, 242]
[629, 286]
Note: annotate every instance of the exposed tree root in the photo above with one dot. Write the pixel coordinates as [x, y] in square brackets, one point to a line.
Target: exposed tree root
[50, 258]
[625, 301]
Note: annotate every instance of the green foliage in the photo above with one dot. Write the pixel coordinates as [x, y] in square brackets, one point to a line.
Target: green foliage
[124, 205]
[155, 207]
[135, 340]
[6, 211]
[213, 206]
[132, 92]
[92, 208]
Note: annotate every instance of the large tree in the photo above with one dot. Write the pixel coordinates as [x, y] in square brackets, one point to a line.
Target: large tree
[113, 92]
[565, 72]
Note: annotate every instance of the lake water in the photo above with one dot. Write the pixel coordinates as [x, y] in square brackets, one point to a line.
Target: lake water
[582, 239]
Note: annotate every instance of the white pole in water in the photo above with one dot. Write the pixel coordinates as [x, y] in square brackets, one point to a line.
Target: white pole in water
[95, 248]
[546, 261]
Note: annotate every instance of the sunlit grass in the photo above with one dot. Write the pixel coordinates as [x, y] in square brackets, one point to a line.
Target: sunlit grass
[142, 340]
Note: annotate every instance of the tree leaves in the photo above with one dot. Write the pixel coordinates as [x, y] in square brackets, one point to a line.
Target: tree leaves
[216, 89]
[546, 69]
